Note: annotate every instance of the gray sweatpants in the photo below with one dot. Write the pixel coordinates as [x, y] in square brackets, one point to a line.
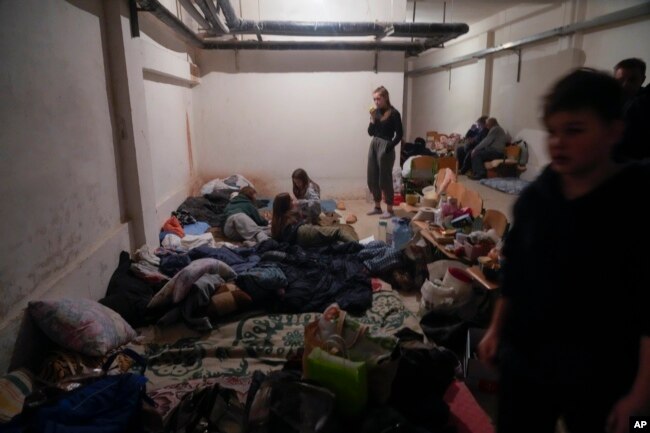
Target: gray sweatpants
[240, 227]
[380, 170]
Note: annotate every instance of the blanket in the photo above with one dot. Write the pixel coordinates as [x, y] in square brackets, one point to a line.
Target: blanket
[180, 359]
[509, 185]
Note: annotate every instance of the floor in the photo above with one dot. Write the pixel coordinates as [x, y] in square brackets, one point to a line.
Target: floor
[367, 226]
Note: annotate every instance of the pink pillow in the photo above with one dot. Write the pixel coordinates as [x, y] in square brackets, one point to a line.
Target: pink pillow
[82, 325]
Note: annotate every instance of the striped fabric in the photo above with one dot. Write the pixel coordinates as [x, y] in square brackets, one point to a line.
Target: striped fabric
[14, 387]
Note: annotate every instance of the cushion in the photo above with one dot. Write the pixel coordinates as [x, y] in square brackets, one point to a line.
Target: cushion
[14, 387]
[178, 287]
[228, 299]
[82, 325]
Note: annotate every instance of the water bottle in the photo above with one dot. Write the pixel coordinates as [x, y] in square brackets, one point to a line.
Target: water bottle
[382, 231]
[390, 228]
[401, 234]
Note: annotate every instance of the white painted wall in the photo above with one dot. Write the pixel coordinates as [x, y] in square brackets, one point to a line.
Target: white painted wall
[278, 111]
[517, 105]
[58, 178]
[169, 116]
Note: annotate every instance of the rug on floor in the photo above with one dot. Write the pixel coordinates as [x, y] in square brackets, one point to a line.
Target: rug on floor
[509, 185]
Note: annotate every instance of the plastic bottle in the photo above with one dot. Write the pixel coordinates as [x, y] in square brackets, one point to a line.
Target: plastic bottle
[390, 228]
[401, 234]
[382, 231]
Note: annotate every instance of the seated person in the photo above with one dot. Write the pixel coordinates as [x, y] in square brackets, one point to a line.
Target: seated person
[418, 147]
[493, 146]
[476, 133]
[288, 227]
[307, 192]
[243, 220]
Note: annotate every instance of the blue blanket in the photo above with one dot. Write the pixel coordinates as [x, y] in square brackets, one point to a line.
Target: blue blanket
[509, 185]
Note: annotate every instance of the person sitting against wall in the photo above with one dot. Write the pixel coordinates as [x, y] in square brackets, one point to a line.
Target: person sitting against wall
[243, 220]
[493, 146]
[287, 226]
[475, 134]
[635, 144]
[307, 192]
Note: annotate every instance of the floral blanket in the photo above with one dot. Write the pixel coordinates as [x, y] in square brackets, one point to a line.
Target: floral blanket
[180, 360]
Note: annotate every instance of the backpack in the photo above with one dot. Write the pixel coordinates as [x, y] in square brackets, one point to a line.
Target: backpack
[110, 404]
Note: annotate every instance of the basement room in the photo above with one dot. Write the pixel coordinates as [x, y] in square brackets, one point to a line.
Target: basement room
[324, 216]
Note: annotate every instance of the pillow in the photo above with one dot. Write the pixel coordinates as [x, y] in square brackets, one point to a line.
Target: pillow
[82, 325]
[178, 287]
[227, 299]
[14, 387]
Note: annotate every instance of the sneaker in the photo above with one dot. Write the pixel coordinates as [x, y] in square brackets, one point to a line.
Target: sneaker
[386, 215]
[374, 211]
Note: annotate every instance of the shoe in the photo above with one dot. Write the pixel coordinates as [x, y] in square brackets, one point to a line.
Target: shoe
[473, 177]
[386, 215]
[374, 211]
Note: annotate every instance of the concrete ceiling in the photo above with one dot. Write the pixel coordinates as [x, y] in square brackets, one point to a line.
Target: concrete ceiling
[466, 11]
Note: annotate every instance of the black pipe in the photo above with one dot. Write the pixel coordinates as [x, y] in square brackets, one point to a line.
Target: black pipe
[333, 28]
[232, 19]
[435, 34]
[171, 20]
[410, 47]
[214, 25]
[215, 19]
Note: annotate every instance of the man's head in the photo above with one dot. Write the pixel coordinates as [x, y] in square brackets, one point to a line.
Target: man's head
[491, 122]
[631, 74]
[582, 114]
[481, 120]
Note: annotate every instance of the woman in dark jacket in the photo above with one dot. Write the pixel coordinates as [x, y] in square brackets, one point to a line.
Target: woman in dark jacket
[386, 130]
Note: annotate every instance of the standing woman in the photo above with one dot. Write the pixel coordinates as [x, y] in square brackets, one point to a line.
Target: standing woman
[386, 131]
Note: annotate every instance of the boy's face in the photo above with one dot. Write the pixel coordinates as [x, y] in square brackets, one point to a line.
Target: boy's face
[580, 142]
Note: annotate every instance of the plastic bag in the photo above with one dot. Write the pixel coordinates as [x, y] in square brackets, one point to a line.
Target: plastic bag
[353, 341]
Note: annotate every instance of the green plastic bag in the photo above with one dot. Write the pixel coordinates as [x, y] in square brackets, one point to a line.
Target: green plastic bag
[348, 380]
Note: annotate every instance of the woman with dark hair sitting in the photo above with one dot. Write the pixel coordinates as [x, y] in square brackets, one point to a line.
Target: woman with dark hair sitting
[307, 192]
[287, 226]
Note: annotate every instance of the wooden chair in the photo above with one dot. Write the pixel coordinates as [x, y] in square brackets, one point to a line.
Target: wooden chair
[456, 190]
[472, 200]
[443, 178]
[494, 219]
[422, 173]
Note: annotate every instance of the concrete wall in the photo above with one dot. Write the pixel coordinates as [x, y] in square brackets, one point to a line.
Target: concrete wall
[168, 82]
[59, 181]
[282, 110]
[264, 114]
[517, 105]
[96, 146]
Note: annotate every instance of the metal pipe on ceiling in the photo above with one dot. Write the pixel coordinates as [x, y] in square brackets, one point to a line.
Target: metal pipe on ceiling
[434, 34]
[603, 20]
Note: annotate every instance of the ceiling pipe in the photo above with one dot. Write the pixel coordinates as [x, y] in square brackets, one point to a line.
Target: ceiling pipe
[188, 6]
[210, 12]
[410, 47]
[435, 34]
[630, 13]
[166, 17]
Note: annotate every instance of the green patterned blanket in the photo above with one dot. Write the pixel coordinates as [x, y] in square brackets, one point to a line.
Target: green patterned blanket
[179, 359]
